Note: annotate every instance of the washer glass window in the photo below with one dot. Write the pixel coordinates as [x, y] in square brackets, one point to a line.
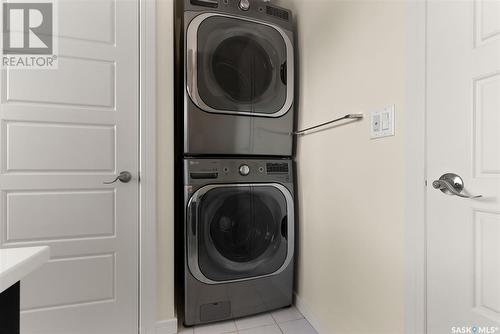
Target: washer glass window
[241, 66]
[242, 232]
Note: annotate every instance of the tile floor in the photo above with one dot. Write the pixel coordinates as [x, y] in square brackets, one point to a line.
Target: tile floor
[284, 321]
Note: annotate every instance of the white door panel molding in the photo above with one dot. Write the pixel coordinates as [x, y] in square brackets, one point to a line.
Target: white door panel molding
[63, 133]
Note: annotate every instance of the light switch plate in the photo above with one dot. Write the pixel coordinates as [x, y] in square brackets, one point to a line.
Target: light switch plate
[382, 122]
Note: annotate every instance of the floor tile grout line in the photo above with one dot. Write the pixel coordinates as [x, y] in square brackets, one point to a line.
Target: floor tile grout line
[268, 325]
[272, 317]
[259, 326]
[276, 322]
[281, 329]
[283, 322]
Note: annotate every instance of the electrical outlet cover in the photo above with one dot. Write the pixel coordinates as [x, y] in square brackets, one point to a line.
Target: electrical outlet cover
[383, 122]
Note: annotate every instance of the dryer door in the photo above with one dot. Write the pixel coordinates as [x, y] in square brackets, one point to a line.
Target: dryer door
[239, 66]
[239, 232]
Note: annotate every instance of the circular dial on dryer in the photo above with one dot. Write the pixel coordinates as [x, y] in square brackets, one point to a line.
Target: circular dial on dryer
[244, 4]
[244, 170]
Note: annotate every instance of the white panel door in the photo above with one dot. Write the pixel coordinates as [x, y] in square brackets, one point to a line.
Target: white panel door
[463, 124]
[63, 133]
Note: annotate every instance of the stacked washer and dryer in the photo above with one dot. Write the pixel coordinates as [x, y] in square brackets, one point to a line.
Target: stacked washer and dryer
[237, 75]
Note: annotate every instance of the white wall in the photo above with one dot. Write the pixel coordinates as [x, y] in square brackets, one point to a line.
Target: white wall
[165, 157]
[350, 188]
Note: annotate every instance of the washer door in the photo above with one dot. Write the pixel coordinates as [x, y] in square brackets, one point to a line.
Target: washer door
[239, 232]
[239, 66]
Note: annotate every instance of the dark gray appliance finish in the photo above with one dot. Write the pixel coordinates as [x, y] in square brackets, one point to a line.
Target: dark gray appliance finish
[238, 78]
[239, 237]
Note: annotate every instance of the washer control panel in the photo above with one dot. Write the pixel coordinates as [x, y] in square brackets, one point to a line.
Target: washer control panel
[237, 170]
[244, 170]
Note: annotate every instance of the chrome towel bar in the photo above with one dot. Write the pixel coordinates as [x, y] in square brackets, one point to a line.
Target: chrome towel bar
[348, 116]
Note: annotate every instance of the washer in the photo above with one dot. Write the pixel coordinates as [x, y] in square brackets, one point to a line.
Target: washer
[239, 238]
[238, 78]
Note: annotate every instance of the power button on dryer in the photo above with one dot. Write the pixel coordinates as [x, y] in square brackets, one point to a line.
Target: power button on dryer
[244, 5]
[244, 170]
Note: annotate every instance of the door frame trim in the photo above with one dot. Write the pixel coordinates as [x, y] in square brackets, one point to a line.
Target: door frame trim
[416, 169]
[147, 167]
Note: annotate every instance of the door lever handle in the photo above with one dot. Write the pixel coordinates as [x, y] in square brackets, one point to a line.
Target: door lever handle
[124, 177]
[452, 184]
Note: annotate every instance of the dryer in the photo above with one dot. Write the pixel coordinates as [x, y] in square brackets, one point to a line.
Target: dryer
[238, 78]
[239, 238]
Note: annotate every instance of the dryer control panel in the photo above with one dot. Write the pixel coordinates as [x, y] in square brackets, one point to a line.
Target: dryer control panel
[206, 3]
[258, 9]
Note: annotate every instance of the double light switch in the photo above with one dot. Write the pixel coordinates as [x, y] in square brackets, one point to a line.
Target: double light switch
[382, 122]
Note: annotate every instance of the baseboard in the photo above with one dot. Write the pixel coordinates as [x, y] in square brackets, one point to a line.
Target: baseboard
[168, 326]
[305, 309]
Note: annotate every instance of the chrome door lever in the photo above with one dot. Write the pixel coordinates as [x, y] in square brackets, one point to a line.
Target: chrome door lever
[124, 177]
[452, 184]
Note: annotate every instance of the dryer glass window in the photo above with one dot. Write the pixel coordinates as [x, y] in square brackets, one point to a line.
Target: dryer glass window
[242, 232]
[241, 66]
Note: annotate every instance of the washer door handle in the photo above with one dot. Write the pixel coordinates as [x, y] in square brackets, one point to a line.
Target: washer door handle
[193, 217]
[452, 184]
[283, 73]
[191, 72]
[284, 227]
